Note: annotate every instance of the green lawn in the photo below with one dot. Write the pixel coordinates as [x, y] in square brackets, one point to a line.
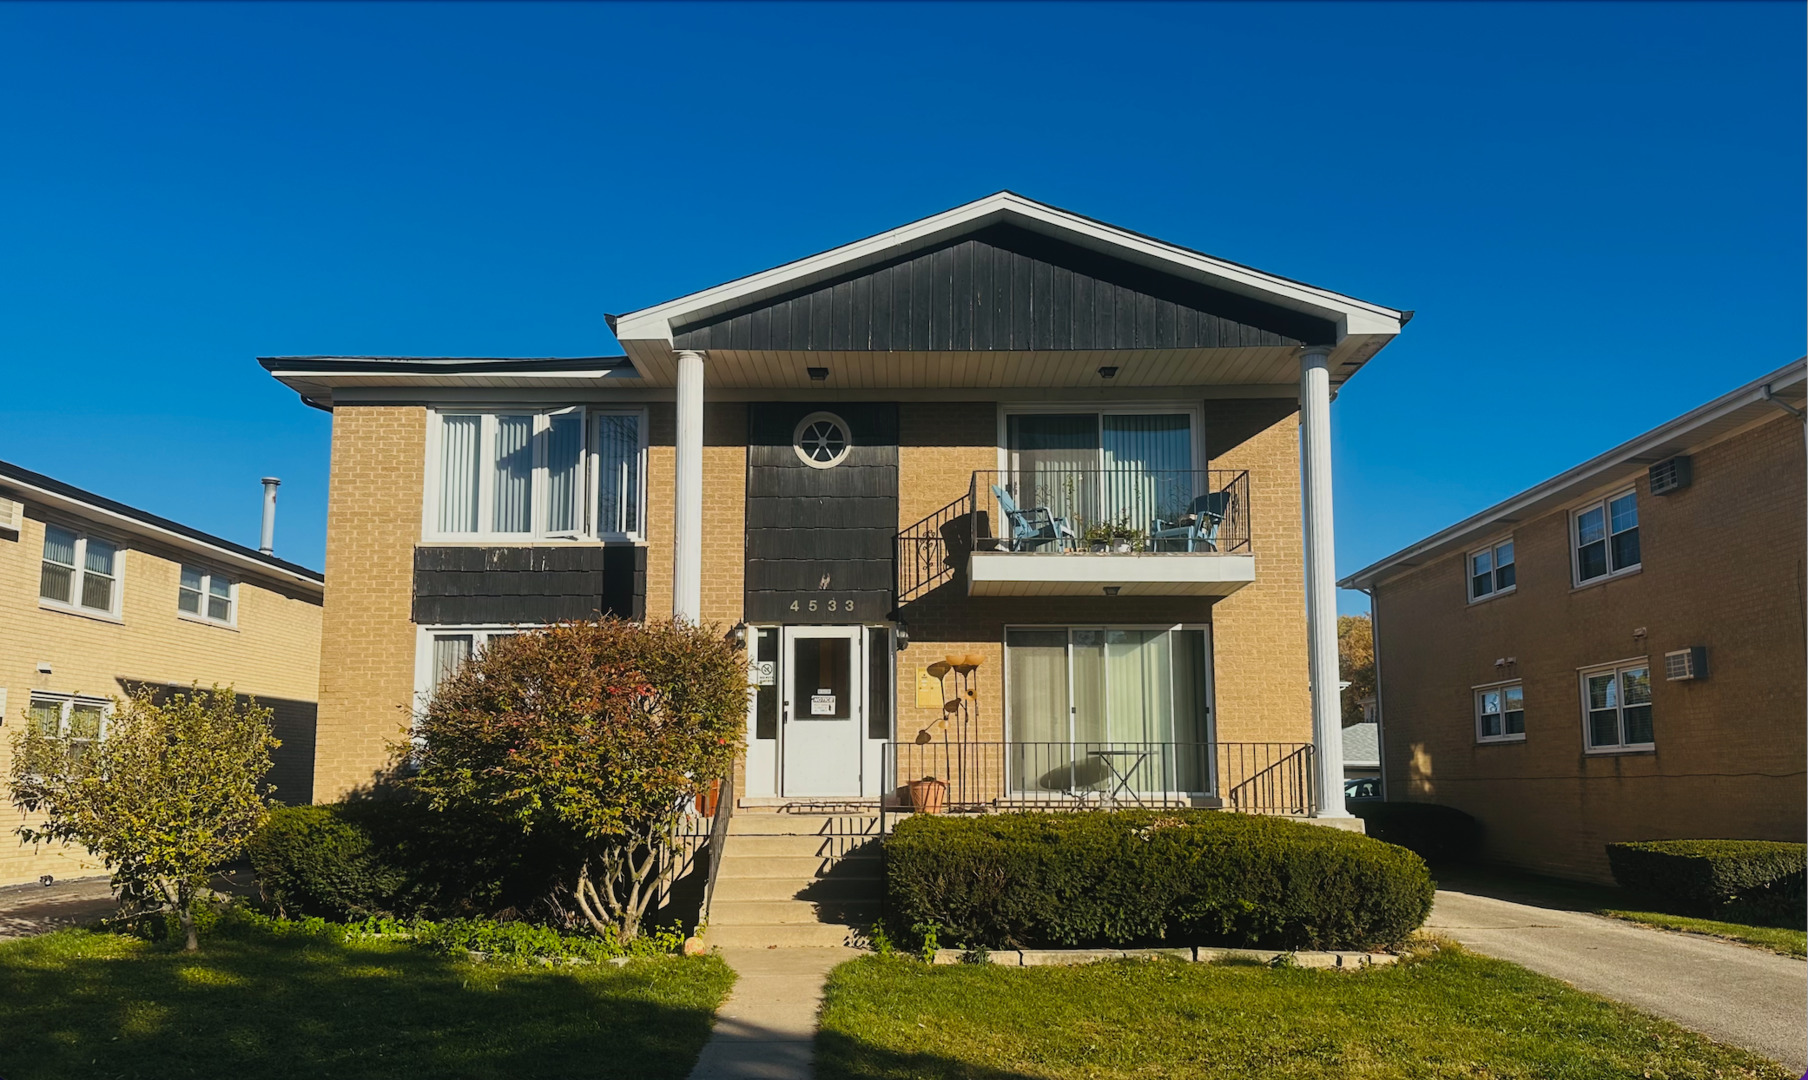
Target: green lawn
[1452, 1014]
[1786, 940]
[89, 1004]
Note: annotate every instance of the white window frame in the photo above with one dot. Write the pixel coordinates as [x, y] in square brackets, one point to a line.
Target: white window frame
[1211, 688]
[74, 606]
[67, 704]
[1493, 552]
[1476, 693]
[480, 634]
[1619, 668]
[1603, 504]
[1195, 424]
[540, 513]
[208, 577]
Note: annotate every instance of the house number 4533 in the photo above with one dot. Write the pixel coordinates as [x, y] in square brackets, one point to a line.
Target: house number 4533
[832, 604]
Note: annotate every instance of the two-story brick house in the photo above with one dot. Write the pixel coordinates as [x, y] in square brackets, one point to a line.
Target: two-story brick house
[99, 599]
[868, 463]
[1617, 653]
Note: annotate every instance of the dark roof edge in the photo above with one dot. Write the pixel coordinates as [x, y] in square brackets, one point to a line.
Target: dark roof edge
[442, 365]
[1791, 374]
[19, 475]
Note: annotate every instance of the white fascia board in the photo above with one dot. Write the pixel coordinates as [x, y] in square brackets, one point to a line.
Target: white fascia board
[1086, 568]
[225, 558]
[1591, 473]
[1351, 315]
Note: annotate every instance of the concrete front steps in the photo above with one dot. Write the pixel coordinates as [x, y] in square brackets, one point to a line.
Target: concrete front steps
[796, 880]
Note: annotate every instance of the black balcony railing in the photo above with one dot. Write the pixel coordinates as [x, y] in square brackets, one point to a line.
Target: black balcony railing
[931, 550]
[1052, 510]
[966, 776]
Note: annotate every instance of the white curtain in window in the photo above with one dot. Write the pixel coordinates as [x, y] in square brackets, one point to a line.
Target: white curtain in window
[1186, 764]
[449, 651]
[1146, 463]
[564, 470]
[1041, 757]
[1054, 457]
[618, 474]
[514, 474]
[460, 437]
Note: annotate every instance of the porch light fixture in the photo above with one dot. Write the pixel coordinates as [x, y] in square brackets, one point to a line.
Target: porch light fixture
[1111, 590]
[901, 636]
[818, 374]
[738, 635]
[1109, 371]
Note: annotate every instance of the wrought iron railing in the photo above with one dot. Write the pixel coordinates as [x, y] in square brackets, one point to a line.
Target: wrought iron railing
[1055, 510]
[718, 839]
[930, 551]
[962, 776]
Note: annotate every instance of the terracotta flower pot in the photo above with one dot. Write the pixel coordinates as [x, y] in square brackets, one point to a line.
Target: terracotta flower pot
[928, 795]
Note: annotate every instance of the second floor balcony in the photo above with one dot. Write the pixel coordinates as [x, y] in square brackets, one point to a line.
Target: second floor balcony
[1054, 531]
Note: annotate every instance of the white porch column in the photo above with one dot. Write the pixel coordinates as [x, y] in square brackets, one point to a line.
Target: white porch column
[687, 492]
[1321, 577]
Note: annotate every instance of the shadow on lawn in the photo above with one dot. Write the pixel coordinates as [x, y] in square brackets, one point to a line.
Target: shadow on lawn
[843, 1057]
[95, 1006]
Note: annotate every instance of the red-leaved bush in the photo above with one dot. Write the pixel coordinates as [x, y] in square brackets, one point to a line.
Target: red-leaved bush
[595, 733]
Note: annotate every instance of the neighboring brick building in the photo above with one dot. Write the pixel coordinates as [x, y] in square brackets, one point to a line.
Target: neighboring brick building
[98, 599]
[810, 455]
[1535, 660]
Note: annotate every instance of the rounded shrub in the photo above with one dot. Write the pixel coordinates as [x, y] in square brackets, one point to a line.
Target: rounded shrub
[1144, 876]
[321, 860]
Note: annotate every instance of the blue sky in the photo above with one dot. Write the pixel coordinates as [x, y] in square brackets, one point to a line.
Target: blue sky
[1596, 211]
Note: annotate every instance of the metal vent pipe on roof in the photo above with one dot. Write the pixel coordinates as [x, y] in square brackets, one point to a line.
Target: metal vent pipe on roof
[267, 540]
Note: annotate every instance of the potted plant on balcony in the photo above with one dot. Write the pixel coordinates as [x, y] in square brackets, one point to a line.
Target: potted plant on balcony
[928, 795]
[1098, 537]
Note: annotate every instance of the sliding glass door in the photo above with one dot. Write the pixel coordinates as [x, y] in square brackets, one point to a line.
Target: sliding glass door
[1105, 710]
[1103, 467]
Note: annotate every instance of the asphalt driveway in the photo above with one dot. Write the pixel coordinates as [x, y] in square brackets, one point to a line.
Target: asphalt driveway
[1733, 993]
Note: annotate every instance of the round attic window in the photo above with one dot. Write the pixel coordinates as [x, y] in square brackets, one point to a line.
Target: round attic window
[822, 440]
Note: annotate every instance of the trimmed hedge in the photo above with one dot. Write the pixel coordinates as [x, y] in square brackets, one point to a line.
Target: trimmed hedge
[1142, 876]
[322, 861]
[1750, 880]
[1437, 833]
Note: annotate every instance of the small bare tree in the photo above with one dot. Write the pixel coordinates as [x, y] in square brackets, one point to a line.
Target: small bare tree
[167, 793]
[595, 733]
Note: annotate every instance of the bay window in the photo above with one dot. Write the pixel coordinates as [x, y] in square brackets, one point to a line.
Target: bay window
[79, 572]
[1088, 708]
[535, 474]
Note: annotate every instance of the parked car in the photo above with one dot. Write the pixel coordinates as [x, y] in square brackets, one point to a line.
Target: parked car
[1362, 788]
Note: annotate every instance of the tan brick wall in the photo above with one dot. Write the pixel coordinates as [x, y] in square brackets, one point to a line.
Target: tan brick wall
[272, 653]
[1722, 567]
[368, 643]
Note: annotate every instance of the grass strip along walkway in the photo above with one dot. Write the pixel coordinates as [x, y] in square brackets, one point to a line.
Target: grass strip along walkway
[89, 1004]
[1779, 939]
[1450, 1014]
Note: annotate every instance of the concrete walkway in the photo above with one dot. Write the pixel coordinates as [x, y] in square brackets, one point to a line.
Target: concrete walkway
[766, 1030]
[1731, 993]
[26, 910]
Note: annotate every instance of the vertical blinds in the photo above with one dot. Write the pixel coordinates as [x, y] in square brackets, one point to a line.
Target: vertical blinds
[459, 438]
[529, 473]
[618, 473]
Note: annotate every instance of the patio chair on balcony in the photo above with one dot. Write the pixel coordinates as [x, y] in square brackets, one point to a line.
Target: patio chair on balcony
[1033, 528]
[1201, 533]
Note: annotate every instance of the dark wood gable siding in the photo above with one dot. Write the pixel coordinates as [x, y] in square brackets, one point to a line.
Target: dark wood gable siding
[1005, 288]
[528, 585]
[819, 541]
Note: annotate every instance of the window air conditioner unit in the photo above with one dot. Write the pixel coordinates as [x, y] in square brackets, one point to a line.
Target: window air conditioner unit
[1671, 474]
[12, 515]
[1684, 664]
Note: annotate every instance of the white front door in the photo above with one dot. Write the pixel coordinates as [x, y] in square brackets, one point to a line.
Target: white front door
[822, 711]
